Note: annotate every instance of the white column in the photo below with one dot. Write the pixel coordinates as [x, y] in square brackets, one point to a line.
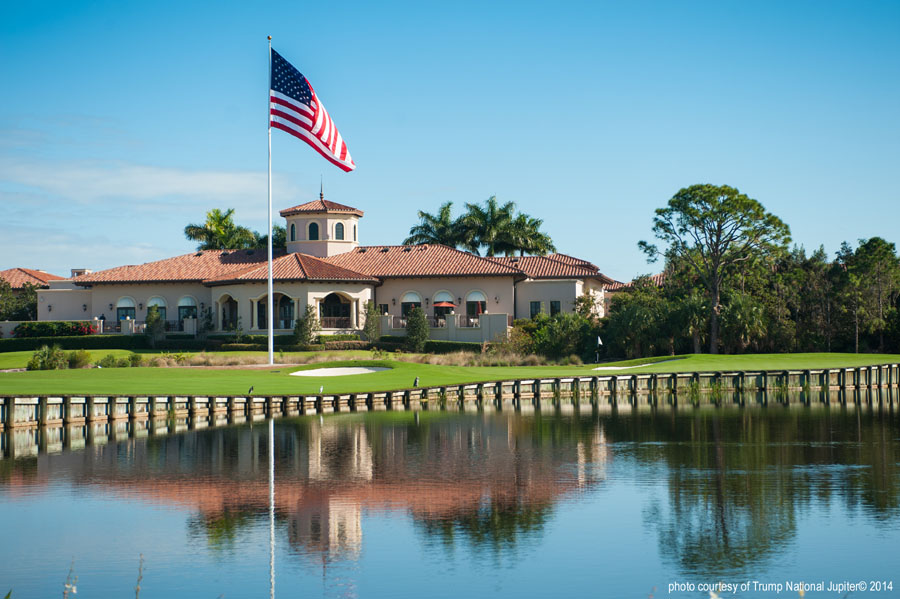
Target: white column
[253, 314]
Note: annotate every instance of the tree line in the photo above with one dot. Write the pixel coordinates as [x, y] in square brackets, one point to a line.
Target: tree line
[732, 283]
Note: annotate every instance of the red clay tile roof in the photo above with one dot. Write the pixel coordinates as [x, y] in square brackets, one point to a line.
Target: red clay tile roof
[565, 258]
[197, 266]
[658, 279]
[426, 260]
[17, 277]
[293, 267]
[319, 206]
[547, 267]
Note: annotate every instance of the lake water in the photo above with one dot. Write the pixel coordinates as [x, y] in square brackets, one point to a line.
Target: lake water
[574, 501]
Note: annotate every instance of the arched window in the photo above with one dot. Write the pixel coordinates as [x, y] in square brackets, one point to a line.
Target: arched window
[410, 300]
[160, 304]
[476, 303]
[187, 307]
[125, 308]
[293, 232]
[313, 232]
[339, 231]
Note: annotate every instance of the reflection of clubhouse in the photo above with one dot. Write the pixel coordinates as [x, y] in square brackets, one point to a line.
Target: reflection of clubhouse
[465, 297]
[330, 474]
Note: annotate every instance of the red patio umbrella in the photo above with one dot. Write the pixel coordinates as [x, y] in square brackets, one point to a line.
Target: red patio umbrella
[444, 305]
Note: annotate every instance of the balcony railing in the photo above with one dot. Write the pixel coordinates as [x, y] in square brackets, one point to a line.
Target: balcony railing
[467, 322]
[335, 322]
[398, 322]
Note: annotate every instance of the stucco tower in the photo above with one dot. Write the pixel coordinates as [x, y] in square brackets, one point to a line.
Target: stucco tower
[322, 228]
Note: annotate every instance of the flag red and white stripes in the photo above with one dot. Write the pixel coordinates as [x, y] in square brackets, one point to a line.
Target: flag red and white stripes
[295, 108]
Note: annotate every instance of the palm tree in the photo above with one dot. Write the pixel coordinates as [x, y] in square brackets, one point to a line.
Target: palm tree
[219, 232]
[279, 239]
[524, 235]
[487, 226]
[440, 228]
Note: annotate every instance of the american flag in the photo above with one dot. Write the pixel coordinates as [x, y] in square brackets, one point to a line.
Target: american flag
[295, 108]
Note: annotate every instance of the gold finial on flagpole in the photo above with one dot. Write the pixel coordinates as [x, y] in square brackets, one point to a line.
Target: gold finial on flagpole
[270, 38]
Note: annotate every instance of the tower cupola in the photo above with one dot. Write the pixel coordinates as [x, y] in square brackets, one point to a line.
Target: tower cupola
[322, 228]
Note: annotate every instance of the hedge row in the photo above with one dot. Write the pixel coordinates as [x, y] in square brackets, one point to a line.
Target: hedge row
[131, 342]
[394, 342]
[262, 347]
[51, 328]
[339, 345]
[279, 340]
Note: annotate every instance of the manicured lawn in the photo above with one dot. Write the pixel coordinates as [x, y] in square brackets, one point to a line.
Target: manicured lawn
[19, 359]
[264, 380]
[710, 363]
[276, 380]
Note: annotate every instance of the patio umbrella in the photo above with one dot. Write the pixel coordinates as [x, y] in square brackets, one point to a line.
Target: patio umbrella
[444, 305]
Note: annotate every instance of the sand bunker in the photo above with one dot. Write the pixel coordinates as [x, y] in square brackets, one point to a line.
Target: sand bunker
[339, 371]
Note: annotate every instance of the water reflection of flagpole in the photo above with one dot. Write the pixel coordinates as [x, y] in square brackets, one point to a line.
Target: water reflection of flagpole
[271, 508]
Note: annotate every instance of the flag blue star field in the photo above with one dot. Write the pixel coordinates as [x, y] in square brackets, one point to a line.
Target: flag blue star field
[295, 108]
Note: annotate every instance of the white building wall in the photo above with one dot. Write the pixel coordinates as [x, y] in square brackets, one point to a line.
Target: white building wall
[497, 290]
[562, 290]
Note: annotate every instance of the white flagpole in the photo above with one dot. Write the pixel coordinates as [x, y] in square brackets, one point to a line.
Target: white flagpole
[271, 313]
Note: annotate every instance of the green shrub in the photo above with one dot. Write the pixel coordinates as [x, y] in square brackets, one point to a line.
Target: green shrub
[279, 340]
[330, 338]
[244, 347]
[135, 360]
[108, 361]
[344, 345]
[372, 324]
[155, 326]
[51, 328]
[416, 330]
[447, 347]
[306, 326]
[48, 358]
[79, 358]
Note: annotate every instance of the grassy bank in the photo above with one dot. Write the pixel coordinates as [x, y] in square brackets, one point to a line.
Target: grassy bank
[277, 380]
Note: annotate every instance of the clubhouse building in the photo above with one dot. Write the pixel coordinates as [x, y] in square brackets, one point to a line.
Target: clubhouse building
[465, 297]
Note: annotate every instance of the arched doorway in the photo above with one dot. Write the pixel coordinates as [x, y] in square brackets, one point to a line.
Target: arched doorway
[334, 312]
[284, 312]
[228, 308]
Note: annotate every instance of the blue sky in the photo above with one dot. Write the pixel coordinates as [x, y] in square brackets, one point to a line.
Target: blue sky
[122, 122]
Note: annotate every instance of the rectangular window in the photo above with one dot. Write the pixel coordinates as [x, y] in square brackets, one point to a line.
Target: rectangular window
[554, 307]
[123, 313]
[383, 309]
[535, 308]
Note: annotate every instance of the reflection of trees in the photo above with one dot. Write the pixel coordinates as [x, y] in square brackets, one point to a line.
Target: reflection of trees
[737, 479]
[498, 526]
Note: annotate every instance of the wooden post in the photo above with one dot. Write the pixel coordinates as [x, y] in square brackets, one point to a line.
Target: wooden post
[10, 417]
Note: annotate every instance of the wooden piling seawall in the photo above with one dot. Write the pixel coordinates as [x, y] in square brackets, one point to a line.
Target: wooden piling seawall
[179, 412]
